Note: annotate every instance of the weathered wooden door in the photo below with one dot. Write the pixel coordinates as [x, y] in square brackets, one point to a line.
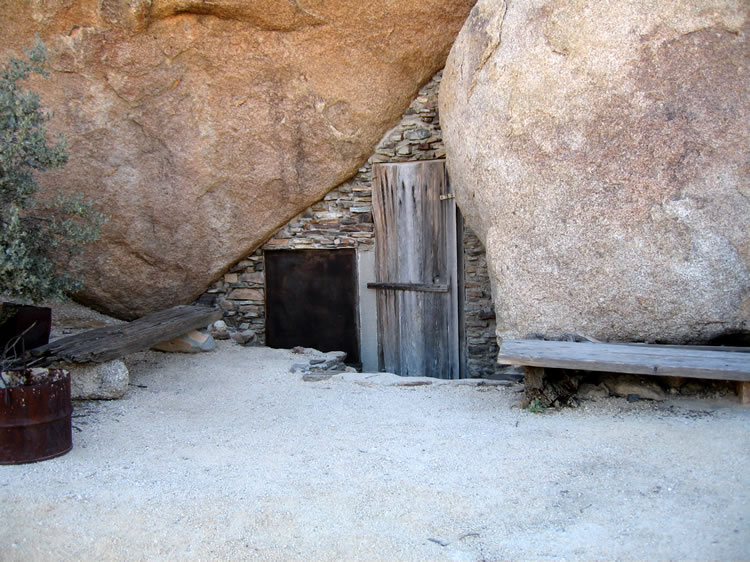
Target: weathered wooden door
[417, 269]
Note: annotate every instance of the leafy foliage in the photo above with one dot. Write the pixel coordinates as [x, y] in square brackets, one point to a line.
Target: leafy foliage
[536, 406]
[35, 233]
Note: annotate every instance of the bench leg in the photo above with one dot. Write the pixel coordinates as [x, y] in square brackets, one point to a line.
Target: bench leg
[743, 391]
[533, 378]
[533, 382]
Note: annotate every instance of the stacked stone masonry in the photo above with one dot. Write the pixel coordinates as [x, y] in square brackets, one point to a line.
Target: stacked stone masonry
[343, 219]
[479, 315]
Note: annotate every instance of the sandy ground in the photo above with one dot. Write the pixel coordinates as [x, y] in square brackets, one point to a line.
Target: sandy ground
[227, 455]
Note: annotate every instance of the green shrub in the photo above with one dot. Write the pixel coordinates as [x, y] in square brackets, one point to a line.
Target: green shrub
[35, 233]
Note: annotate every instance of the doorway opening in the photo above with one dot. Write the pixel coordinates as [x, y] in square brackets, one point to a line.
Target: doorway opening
[311, 300]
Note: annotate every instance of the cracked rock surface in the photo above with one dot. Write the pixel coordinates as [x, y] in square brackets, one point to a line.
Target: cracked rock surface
[203, 127]
[600, 151]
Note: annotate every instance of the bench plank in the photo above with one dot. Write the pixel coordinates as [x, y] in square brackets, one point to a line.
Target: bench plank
[625, 358]
[111, 342]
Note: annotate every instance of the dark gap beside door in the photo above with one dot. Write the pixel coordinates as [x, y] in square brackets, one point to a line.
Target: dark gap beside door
[311, 300]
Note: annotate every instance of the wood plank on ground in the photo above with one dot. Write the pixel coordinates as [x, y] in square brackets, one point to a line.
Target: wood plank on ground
[626, 358]
[112, 342]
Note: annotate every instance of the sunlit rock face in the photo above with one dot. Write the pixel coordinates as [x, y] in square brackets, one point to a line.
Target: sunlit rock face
[600, 150]
[202, 127]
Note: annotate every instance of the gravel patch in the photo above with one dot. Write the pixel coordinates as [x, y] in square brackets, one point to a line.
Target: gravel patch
[228, 455]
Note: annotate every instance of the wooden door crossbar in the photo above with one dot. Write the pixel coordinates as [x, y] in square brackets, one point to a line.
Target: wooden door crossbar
[410, 287]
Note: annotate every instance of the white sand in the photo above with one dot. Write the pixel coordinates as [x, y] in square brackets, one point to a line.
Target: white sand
[226, 455]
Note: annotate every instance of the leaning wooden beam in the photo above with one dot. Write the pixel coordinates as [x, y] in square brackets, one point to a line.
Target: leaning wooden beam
[111, 342]
[626, 358]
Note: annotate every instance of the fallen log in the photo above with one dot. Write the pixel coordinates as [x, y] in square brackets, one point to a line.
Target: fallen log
[112, 342]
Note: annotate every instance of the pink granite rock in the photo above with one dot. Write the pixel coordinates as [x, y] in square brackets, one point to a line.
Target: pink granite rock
[600, 150]
[202, 127]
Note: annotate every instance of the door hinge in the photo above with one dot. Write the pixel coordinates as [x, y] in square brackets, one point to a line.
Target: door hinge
[447, 196]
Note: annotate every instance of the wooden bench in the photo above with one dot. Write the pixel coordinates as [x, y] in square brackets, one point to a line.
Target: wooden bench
[111, 342]
[718, 363]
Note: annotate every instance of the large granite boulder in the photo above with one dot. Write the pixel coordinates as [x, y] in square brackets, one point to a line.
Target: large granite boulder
[202, 127]
[600, 150]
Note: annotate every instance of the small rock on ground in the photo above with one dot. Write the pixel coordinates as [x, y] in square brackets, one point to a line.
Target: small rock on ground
[625, 385]
[98, 381]
[194, 341]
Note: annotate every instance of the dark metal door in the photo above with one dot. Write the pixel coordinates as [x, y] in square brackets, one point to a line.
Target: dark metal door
[311, 300]
[417, 270]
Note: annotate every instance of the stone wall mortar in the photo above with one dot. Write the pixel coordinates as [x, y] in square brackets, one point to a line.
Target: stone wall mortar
[479, 313]
[343, 219]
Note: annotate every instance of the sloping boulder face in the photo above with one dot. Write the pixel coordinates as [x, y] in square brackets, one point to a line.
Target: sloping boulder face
[202, 127]
[600, 150]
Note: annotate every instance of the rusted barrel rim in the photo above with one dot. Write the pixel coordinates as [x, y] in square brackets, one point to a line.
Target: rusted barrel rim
[35, 421]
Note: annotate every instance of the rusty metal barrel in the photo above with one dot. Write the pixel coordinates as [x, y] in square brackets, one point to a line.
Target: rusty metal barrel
[35, 421]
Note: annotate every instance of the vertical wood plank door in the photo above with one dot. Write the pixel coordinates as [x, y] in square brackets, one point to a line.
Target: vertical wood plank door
[417, 274]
